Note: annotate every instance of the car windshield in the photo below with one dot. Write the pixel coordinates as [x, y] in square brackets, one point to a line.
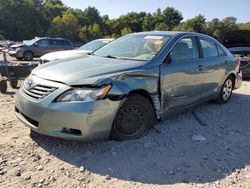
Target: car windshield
[94, 45]
[30, 42]
[134, 47]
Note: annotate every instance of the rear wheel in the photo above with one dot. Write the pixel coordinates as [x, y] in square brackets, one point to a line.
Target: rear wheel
[13, 83]
[133, 119]
[226, 91]
[28, 56]
[3, 86]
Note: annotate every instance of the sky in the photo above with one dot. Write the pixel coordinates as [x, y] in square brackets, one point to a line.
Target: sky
[189, 8]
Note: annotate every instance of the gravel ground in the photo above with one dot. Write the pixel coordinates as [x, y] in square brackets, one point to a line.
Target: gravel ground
[209, 147]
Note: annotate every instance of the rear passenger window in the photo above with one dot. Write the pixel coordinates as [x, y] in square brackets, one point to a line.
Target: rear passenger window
[209, 48]
[185, 49]
[53, 42]
[43, 43]
[66, 43]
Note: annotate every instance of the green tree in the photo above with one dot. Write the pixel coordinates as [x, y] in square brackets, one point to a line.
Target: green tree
[65, 26]
[22, 19]
[125, 31]
[172, 17]
[148, 22]
[196, 24]
[244, 26]
[54, 8]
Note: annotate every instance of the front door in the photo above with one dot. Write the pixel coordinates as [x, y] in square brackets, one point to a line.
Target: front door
[181, 79]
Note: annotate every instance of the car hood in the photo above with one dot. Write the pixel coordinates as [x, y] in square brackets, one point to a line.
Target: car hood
[17, 45]
[62, 54]
[85, 70]
[238, 38]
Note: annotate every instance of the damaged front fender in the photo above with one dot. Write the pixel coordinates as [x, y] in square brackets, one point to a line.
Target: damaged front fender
[141, 81]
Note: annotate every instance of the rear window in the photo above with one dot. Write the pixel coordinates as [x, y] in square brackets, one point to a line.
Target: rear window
[209, 48]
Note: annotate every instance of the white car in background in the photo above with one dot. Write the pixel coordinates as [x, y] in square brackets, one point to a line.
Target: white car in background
[85, 49]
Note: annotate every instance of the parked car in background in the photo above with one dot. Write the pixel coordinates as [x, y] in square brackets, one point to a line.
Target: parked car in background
[38, 47]
[120, 89]
[86, 48]
[238, 43]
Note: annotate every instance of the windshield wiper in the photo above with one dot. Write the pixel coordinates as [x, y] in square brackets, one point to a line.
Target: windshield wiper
[110, 56]
[91, 53]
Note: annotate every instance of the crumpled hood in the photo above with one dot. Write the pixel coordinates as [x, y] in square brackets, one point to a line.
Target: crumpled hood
[17, 46]
[85, 70]
[63, 54]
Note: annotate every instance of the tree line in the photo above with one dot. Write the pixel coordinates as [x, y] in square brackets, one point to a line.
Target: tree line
[25, 19]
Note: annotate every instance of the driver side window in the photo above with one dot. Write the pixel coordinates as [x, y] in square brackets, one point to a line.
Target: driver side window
[184, 50]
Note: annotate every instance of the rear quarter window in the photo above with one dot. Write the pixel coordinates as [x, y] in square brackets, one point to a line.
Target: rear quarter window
[221, 52]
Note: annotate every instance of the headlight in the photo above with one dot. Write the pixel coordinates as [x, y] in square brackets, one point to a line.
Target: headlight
[83, 94]
[18, 49]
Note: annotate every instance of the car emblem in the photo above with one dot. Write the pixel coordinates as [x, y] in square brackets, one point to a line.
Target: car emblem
[29, 84]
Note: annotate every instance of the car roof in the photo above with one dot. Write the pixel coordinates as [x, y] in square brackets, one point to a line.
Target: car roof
[38, 38]
[170, 33]
[105, 39]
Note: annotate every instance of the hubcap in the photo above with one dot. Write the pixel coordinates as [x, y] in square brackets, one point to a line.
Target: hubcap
[130, 121]
[227, 89]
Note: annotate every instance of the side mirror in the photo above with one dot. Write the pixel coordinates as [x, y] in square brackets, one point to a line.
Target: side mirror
[36, 44]
[168, 60]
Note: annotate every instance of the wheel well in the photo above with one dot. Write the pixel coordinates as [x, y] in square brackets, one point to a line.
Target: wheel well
[28, 51]
[146, 95]
[233, 76]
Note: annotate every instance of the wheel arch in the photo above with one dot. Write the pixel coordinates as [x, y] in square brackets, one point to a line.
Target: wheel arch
[29, 51]
[146, 95]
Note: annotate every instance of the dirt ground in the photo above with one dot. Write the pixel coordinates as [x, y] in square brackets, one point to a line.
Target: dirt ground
[209, 147]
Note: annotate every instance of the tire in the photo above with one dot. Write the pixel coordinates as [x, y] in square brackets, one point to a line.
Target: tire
[28, 56]
[3, 86]
[13, 84]
[33, 134]
[226, 91]
[19, 58]
[133, 119]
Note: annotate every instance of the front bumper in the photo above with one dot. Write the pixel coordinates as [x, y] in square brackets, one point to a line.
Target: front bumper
[85, 121]
[238, 80]
[13, 53]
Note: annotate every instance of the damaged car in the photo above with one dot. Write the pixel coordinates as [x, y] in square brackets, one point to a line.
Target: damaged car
[238, 43]
[121, 89]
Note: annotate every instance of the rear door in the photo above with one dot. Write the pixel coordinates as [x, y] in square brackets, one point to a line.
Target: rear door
[214, 64]
[181, 79]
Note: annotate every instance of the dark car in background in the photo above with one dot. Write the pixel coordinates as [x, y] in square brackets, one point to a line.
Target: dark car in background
[238, 43]
[38, 47]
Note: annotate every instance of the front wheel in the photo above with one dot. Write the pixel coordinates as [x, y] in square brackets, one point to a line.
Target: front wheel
[226, 91]
[28, 56]
[133, 119]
